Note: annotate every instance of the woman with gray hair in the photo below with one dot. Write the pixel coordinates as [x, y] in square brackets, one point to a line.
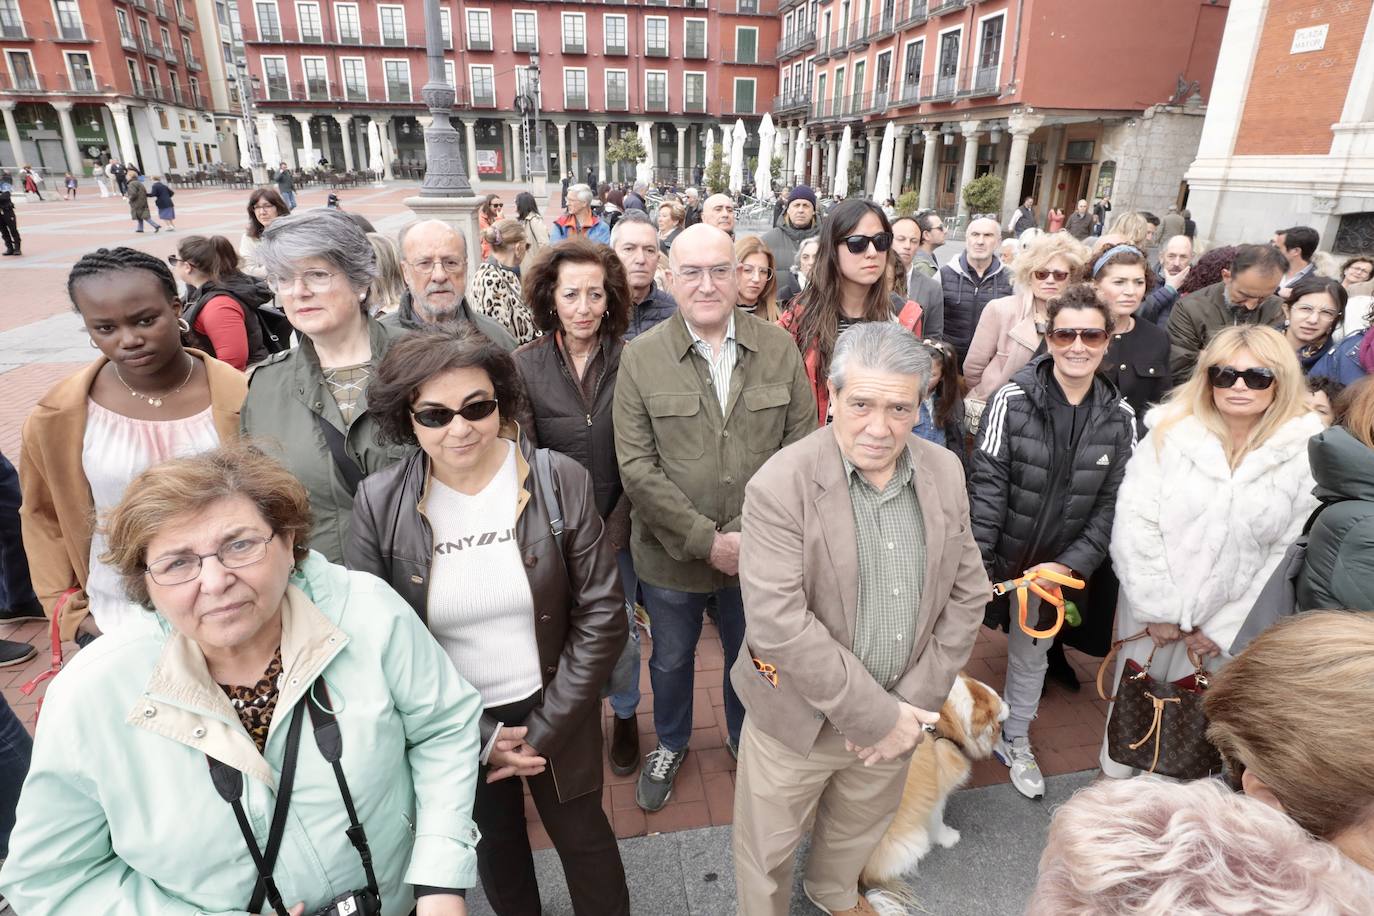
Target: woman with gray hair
[308, 404]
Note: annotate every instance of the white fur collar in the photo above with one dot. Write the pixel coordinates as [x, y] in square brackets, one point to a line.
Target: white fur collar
[1199, 446]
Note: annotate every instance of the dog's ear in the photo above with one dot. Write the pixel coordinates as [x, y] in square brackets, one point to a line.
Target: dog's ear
[955, 714]
[987, 706]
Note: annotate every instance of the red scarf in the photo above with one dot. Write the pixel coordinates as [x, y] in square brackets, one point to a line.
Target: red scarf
[1367, 351]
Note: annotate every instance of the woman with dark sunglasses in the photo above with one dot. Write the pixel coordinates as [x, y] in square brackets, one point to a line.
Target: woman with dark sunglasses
[849, 284]
[1213, 497]
[1137, 359]
[1051, 453]
[500, 549]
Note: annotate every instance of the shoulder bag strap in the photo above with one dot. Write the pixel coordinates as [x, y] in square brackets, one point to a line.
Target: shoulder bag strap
[548, 495]
[1312, 519]
[348, 468]
[229, 783]
[329, 740]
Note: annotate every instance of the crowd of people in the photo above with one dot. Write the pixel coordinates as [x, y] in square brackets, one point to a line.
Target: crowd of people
[430, 506]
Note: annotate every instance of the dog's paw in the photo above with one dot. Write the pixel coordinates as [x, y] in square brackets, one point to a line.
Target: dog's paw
[946, 836]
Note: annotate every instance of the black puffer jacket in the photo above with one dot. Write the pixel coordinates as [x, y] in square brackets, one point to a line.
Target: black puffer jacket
[965, 295]
[249, 292]
[1012, 474]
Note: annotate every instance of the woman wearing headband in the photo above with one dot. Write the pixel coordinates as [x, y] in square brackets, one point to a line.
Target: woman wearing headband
[1137, 359]
[1212, 498]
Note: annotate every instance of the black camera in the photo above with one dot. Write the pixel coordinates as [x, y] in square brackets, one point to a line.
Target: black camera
[353, 903]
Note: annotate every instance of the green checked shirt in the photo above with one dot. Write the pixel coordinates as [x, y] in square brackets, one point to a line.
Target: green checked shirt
[892, 569]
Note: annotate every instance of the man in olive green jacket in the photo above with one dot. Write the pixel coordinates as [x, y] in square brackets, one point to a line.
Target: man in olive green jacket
[1245, 295]
[701, 402]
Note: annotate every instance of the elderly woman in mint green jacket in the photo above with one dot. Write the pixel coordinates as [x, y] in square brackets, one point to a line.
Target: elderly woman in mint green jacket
[156, 738]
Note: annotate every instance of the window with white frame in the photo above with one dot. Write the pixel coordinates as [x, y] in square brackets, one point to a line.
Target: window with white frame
[575, 33]
[574, 87]
[79, 68]
[525, 25]
[615, 29]
[617, 90]
[694, 39]
[347, 22]
[316, 78]
[947, 67]
[986, 77]
[393, 23]
[479, 30]
[450, 75]
[482, 77]
[656, 90]
[694, 91]
[12, 23]
[397, 75]
[126, 32]
[166, 37]
[747, 6]
[911, 69]
[135, 77]
[308, 18]
[186, 49]
[274, 78]
[155, 80]
[269, 23]
[69, 19]
[354, 73]
[195, 99]
[746, 44]
[656, 36]
[445, 28]
[744, 94]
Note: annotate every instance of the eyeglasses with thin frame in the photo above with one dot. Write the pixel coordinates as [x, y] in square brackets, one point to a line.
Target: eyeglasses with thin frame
[1307, 311]
[1256, 379]
[1091, 337]
[439, 417]
[315, 280]
[858, 244]
[180, 568]
[753, 270]
[1059, 275]
[719, 273]
[450, 265]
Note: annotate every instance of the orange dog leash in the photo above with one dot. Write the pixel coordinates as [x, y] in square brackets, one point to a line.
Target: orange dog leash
[1050, 592]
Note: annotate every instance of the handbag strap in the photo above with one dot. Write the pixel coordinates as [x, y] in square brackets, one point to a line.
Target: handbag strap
[1107, 661]
[1156, 726]
[348, 468]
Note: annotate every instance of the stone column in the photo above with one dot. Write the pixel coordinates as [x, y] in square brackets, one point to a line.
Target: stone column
[564, 163]
[682, 175]
[12, 131]
[899, 161]
[64, 123]
[798, 141]
[517, 162]
[815, 176]
[1020, 127]
[1054, 145]
[470, 140]
[384, 133]
[600, 153]
[307, 141]
[120, 112]
[343, 121]
[875, 144]
[832, 153]
[970, 131]
[929, 165]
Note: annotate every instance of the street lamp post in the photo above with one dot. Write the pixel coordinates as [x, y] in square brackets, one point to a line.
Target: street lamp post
[539, 174]
[245, 87]
[445, 172]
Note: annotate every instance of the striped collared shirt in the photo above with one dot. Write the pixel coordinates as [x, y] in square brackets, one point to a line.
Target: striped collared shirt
[721, 364]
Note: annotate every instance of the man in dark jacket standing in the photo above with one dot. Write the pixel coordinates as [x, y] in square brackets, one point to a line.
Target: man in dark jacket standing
[1080, 224]
[635, 241]
[9, 225]
[1245, 295]
[799, 223]
[434, 264]
[1022, 219]
[971, 281]
[1052, 449]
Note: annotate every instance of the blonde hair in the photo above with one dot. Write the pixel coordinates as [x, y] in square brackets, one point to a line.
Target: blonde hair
[1154, 847]
[1133, 227]
[1044, 249]
[504, 233]
[1293, 709]
[678, 211]
[1194, 397]
[384, 295]
[767, 307]
[188, 487]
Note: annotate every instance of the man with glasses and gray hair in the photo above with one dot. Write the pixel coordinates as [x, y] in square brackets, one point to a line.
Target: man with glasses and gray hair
[434, 264]
[701, 401]
[635, 242]
[864, 590]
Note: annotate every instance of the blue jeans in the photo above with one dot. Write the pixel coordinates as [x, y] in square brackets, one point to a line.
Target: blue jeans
[16, 748]
[151, 222]
[676, 618]
[625, 678]
[15, 587]
[290, 198]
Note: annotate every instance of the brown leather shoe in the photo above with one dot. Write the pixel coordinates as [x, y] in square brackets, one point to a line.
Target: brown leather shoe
[625, 746]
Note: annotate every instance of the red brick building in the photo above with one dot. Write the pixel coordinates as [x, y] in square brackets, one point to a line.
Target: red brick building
[1048, 94]
[82, 78]
[331, 66]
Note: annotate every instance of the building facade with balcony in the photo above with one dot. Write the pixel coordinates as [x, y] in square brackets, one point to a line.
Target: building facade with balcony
[1051, 95]
[86, 80]
[323, 69]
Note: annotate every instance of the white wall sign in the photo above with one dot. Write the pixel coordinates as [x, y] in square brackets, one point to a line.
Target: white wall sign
[1309, 39]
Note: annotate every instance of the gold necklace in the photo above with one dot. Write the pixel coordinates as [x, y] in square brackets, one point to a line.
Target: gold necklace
[157, 401]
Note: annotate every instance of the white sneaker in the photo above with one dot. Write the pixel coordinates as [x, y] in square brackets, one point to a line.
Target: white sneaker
[1025, 772]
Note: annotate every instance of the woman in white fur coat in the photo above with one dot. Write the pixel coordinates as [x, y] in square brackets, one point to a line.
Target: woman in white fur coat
[1211, 499]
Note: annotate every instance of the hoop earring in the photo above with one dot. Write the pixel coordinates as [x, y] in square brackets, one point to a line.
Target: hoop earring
[183, 326]
[94, 345]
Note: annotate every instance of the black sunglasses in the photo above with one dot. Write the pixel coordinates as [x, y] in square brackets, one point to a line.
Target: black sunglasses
[439, 417]
[173, 260]
[1092, 337]
[858, 244]
[1226, 376]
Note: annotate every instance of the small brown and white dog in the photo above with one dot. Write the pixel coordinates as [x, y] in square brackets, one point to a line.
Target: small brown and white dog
[969, 722]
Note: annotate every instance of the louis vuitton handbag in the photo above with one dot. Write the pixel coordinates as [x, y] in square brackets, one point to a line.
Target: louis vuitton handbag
[1159, 726]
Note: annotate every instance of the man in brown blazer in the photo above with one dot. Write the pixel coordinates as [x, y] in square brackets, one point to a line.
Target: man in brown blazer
[863, 594]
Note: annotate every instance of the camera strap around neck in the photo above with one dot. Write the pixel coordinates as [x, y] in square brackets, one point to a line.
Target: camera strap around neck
[229, 783]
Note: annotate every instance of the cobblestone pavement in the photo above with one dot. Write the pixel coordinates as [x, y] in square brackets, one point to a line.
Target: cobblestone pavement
[41, 342]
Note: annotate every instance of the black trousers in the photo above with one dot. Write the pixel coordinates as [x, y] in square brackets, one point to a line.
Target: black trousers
[9, 231]
[581, 834]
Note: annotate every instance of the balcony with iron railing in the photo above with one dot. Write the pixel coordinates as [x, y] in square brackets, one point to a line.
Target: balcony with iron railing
[655, 50]
[617, 101]
[860, 33]
[695, 50]
[483, 98]
[940, 7]
[150, 47]
[653, 102]
[398, 91]
[577, 47]
[915, 14]
[128, 41]
[984, 82]
[795, 42]
[575, 101]
[884, 24]
[823, 47]
[141, 4]
[912, 92]
[30, 83]
[526, 45]
[354, 93]
[169, 54]
[479, 42]
[160, 9]
[313, 90]
[945, 86]
[66, 29]
[186, 22]
[749, 60]
[614, 49]
[13, 31]
[788, 102]
[694, 105]
[328, 34]
[186, 98]
[193, 64]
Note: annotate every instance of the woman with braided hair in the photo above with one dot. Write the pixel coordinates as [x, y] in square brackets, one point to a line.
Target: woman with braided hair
[146, 398]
